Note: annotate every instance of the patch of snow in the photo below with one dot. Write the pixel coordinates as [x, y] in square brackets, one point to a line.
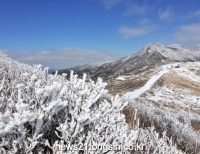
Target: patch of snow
[120, 78]
[174, 97]
[190, 70]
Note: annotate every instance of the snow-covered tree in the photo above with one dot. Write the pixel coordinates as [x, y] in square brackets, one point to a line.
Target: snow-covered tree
[39, 111]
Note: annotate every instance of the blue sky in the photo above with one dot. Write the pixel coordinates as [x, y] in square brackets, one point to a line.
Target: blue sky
[63, 33]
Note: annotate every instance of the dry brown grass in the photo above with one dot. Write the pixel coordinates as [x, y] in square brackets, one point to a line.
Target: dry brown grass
[156, 104]
[196, 126]
[172, 79]
[195, 110]
[125, 86]
[181, 82]
[172, 106]
[139, 80]
[131, 117]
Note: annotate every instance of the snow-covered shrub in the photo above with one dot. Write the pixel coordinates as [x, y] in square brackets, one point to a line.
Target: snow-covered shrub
[156, 144]
[41, 112]
[177, 126]
[154, 140]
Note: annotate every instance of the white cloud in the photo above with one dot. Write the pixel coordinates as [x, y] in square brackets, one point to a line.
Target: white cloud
[62, 58]
[144, 21]
[176, 45]
[131, 8]
[129, 32]
[111, 3]
[188, 34]
[192, 14]
[135, 9]
[166, 14]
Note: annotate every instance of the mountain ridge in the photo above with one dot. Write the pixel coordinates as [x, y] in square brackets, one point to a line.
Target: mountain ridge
[151, 55]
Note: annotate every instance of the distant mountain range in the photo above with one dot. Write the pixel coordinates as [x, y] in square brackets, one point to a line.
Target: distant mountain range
[150, 56]
[50, 71]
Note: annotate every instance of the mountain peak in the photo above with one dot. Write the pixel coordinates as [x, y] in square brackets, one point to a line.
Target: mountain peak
[155, 44]
[154, 47]
[170, 53]
[151, 48]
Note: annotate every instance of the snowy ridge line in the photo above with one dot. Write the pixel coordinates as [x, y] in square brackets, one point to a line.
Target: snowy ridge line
[148, 85]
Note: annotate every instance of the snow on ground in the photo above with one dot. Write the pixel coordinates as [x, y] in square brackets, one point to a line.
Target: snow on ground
[175, 95]
[190, 70]
[120, 78]
[148, 85]
[172, 95]
[123, 78]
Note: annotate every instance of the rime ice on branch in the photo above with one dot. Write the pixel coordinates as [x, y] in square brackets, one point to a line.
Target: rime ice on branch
[38, 110]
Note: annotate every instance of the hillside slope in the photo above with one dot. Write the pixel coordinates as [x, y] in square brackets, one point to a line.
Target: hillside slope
[168, 99]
